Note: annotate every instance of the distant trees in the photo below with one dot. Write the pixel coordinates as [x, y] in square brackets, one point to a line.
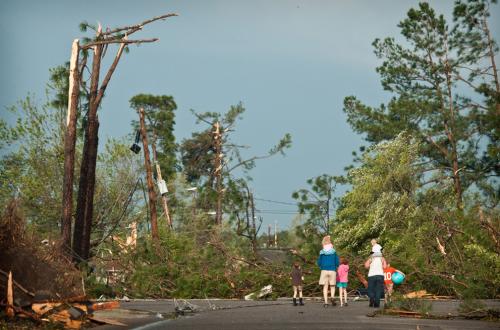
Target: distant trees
[319, 202]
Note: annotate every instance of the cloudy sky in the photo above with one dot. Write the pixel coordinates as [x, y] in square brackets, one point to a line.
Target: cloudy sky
[290, 62]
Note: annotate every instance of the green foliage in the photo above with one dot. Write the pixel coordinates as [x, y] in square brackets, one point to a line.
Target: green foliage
[421, 306]
[432, 101]
[198, 155]
[160, 121]
[186, 265]
[318, 202]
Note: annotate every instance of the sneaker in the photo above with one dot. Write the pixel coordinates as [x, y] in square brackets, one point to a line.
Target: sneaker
[325, 305]
[345, 304]
[333, 302]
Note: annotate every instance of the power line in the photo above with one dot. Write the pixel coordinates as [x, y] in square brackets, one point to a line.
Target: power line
[276, 202]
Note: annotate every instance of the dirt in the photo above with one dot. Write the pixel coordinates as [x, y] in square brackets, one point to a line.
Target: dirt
[38, 268]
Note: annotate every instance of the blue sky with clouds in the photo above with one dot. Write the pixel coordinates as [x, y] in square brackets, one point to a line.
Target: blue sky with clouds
[290, 62]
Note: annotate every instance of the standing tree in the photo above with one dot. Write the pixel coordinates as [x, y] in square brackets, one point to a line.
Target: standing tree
[318, 201]
[85, 202]
[427, 79]
[210, 157]
[159, 114]
[160, 121]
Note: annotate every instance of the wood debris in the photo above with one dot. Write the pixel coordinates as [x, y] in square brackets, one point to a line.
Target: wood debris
[71, 312]
[424, 294]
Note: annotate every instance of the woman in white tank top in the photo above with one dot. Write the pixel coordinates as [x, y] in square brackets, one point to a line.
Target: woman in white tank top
[376, 267]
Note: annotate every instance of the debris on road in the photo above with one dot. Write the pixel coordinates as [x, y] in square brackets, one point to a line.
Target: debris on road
[268, 289]
[424, 294]
[183, 306]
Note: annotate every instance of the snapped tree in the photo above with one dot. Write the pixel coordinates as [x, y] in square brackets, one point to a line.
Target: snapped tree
[85, 202]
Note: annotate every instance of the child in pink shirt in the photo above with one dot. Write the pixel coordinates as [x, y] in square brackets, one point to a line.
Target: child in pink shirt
[342, 273]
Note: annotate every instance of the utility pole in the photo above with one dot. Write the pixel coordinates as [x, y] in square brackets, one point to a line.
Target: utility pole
[162, 186]
[275, 233]
[269, 239]
[218, 171]
[149, 177]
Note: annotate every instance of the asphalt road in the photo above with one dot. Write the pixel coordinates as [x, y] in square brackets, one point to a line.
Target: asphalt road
[270, 315]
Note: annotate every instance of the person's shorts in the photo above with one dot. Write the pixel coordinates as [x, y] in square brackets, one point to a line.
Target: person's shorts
[342, 285]
[297, 287]
[328, 277]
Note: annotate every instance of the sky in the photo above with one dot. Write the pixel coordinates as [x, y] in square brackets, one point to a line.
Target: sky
[290, 62]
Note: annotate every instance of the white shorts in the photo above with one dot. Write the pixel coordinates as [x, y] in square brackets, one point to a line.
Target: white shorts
[328, 277]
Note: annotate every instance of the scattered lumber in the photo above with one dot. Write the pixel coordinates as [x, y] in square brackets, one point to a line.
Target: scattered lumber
[417, 294]
[105, 305]
[425, 294]
[72, 312]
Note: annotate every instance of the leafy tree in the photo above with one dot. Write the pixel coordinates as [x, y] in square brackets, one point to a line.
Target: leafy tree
[420, 229]
[160, 117]
[318, 202]
[426, 78]
[31, 168]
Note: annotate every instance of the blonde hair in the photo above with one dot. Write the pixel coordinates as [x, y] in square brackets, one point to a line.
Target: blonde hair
[326, 240]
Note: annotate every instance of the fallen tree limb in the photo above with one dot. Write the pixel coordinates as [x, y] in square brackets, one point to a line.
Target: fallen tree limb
[19, 310]
[19, 286]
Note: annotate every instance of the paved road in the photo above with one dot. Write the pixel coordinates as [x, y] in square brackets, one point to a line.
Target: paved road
[270, 315]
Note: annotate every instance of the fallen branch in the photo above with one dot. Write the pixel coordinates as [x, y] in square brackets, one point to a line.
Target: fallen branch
[10, 298]
[19, 286]
[19, 310]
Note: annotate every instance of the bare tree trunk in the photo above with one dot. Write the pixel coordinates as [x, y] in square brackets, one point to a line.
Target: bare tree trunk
[254, 227]
[69, 148]
[491, 55]
[87, 171]
[218, 172]
[149, 177]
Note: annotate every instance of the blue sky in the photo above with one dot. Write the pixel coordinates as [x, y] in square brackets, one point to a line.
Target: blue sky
[290, 62]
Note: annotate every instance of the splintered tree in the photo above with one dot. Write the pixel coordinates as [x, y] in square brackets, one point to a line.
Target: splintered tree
[85, 202]
[210, 157]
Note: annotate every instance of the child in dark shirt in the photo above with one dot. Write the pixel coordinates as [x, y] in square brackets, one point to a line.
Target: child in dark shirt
[297, 279]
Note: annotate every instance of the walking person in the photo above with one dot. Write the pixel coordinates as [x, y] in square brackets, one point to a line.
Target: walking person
[376, 265]
[328, 262]
[343, 273]
[297, 279]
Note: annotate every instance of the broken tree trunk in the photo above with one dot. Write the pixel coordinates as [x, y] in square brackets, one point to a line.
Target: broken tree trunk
[84, 208]
[218, 172]
[158, 173]
[69, 148]
[149, 176]
[10, 298]
[85, 202]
